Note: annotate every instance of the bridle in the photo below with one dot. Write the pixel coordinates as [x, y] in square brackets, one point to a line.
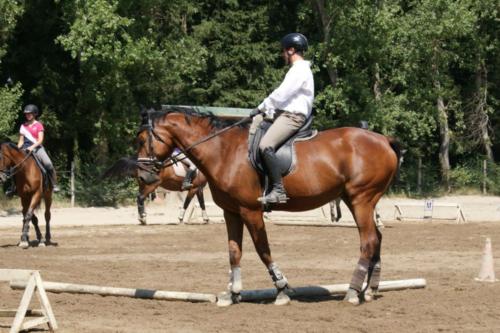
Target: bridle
[152, 165]
[16, 168]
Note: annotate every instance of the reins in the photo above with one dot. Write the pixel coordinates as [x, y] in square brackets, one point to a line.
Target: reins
[171, 160]
[143, 163]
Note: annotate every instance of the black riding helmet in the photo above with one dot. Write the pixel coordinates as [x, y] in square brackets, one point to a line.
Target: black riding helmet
[31, 108]
[296, 40]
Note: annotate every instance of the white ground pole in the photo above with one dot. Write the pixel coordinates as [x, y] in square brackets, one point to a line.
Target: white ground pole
[246, 295]
[57, 287]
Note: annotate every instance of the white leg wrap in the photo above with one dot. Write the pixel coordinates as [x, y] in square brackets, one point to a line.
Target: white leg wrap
[204, 215]
[235, 285]
[278, 277]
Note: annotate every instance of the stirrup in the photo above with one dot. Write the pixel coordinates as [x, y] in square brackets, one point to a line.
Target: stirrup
[186, 186]
[274, 197]
[55, 188]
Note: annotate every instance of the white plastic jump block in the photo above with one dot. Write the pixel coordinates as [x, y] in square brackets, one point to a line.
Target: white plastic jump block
[428, 211]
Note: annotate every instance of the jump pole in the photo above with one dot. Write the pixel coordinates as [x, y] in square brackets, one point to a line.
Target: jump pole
[328, 290]
[57, 287]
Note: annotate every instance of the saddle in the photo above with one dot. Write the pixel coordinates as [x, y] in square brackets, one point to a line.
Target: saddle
[45, 175]
[285, 153]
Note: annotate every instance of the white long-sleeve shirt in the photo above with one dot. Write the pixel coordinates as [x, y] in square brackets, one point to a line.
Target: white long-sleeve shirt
[295, 93]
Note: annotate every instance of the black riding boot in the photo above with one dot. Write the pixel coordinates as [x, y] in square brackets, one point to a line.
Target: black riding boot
[278, 193]
[187, 183]
[10, 189]
[53, 180]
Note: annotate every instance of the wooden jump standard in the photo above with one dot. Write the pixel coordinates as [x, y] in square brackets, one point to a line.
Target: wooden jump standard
[246, 295]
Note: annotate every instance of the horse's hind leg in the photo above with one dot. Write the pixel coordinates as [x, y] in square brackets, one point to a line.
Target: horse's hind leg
[234, 225]
[369, 264]
[201, 200]
[189, 196]
[48, 215]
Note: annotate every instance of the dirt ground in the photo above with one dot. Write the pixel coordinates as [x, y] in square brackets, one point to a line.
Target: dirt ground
[194, 258]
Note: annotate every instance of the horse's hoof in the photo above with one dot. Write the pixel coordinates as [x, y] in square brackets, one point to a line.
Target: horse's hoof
[24, 244]
[224, 299]
[282, 299]
[41, 244]
[142, 221]
[352, 297]
[370, 295]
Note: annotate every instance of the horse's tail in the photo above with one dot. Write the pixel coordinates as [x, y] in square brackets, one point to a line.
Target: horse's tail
[125, 166]
[398, 149]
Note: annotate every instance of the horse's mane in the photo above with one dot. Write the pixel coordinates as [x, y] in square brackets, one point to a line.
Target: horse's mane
[191, 112]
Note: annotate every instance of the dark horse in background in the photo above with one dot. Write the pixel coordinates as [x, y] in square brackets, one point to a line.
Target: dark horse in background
[167, 179]
[30, 188]
[353, 164]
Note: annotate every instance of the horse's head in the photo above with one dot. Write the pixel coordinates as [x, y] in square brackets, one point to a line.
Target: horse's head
[154, 146]
[5, 159]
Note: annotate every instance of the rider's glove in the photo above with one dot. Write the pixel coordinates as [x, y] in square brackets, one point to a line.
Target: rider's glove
[254, 112]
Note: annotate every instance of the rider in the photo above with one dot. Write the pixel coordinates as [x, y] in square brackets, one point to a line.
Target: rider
[290, 105]
[31, 135]
[187, 183]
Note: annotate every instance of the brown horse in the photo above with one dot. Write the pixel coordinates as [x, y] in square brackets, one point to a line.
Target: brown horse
[168, 180]
[351, 163]
[30, 188]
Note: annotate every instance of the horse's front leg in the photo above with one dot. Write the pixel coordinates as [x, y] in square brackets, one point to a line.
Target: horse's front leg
[141, 209]
[27, 216]
[34, 220]
[255, 224]
[234, 225]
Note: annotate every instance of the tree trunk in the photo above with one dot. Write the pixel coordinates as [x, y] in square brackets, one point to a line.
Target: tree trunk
[324, 23]
[376, 84]
[444, 132]
[480, 112]
[444, 147]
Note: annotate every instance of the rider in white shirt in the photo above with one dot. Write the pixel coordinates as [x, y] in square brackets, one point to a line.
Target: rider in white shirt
[290, 105]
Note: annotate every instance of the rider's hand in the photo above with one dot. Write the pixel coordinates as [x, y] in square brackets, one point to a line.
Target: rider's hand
[254, 112]
[30, 149]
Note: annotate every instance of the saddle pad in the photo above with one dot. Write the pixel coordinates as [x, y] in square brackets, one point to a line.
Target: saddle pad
[285, 154]
[179, 169]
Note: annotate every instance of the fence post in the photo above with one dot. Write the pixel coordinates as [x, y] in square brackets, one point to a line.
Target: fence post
[72, 184]
[419, 176]
[485, 175]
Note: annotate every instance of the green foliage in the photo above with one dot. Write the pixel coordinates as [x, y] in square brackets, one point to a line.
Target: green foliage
[90, 65]
[91, 190]
[10, 10]
[10, 104]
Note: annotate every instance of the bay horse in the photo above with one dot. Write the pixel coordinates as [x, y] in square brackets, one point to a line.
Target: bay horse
[30, 187]
[353, 164]
[172, 182]
[168, 179]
